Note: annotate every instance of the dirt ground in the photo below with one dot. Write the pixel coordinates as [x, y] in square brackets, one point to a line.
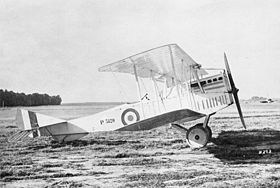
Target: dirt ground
[155, 158]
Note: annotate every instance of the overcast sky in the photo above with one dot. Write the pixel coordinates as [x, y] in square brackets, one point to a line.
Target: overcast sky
[56, 46]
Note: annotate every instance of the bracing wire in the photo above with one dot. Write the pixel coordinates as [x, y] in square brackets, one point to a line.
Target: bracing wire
[190, 91]
[122, 91]
[160, 95]
[169, 93]
[194, 101]
[142, 82]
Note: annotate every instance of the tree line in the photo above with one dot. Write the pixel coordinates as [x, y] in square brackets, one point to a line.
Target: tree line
[10, 98]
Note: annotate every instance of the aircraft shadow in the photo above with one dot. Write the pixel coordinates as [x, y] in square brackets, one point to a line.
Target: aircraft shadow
[245, 147]
[80, 143]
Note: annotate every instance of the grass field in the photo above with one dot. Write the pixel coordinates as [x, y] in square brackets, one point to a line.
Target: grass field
[155, 158]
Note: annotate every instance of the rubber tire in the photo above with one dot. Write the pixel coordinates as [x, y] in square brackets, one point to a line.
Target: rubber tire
[197, 137]
[208, 130]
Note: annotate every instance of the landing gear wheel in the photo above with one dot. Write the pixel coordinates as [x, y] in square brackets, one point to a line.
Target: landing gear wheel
[208, 130]
[197, 137]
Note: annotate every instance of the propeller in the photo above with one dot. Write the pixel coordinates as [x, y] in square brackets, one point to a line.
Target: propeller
[234, 91]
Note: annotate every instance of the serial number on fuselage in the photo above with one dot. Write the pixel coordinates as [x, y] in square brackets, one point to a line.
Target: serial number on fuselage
[106, 121]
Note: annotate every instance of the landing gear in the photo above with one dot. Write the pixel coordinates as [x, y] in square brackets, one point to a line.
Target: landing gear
[207, 128]
[197, 136]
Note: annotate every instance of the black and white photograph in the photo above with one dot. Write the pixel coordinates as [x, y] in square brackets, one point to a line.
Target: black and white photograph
[139, 93]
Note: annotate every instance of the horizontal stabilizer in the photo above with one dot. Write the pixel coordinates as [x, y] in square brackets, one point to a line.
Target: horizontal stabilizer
[63, 131]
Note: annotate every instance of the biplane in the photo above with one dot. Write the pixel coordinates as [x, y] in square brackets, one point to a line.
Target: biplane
[182, 91]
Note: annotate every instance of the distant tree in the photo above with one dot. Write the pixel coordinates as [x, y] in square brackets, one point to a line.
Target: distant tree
[10, 98]
[55, 100]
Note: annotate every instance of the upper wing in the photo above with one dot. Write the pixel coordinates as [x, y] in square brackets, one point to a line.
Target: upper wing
[170, 117]
[159, 61]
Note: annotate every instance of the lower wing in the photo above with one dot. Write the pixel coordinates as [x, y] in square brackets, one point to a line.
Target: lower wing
[163, 119]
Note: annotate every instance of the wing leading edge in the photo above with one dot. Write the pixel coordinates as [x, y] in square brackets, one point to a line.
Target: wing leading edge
[163, 119]
[158, 60]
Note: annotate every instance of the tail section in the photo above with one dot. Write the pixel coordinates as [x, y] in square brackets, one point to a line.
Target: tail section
[28, 121]
[22, 119]
[34, 124]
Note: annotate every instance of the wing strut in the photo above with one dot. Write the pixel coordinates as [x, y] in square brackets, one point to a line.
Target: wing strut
[138, 87]
[174, 73]
[156, 90]
[198, 81]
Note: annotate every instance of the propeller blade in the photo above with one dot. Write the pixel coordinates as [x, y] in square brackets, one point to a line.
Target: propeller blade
[239, 109]
[234, 91]
[229, 74]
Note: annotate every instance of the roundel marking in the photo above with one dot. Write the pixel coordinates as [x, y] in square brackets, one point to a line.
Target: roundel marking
[129, 116]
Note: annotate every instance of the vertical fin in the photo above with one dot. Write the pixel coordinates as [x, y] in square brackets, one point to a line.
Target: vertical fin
[34, 123]
[23, 119]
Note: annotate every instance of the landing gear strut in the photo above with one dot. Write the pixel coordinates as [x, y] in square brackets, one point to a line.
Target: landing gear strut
[199, 135]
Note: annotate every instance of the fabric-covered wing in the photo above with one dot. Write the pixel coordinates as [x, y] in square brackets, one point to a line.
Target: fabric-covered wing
[159, 61]
[170, 117]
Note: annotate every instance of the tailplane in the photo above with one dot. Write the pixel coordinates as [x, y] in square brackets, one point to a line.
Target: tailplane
[34, 124]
